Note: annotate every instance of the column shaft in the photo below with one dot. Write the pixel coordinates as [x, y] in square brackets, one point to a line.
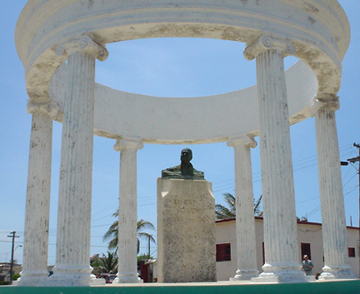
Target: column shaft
[36, 235]
[245, 222]
[331, 197]
[280, 227]
[127, 227]
[74, 214]
[276, 162]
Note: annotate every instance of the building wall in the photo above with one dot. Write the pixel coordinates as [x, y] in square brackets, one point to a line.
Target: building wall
[353, 241]
[307, 233]
[225, 233]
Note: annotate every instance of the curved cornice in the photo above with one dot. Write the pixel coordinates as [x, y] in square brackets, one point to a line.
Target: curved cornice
[319, 29]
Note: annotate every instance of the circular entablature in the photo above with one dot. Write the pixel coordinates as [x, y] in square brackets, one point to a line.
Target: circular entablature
[318, 30]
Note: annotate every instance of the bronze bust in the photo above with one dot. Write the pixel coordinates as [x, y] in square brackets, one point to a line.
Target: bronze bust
[185, 170]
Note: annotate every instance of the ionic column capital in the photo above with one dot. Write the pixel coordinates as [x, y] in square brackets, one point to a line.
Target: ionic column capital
[50, 108]
[324, 102]
[267, 42]
[125, 143]
[245, 140]
[83, 44]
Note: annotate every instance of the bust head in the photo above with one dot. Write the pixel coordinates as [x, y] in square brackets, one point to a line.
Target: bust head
[186, 155]
[185, 170]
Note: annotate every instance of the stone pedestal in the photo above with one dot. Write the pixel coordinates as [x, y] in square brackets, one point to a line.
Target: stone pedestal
[186, 231]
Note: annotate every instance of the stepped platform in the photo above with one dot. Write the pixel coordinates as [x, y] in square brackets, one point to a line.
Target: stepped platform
[338, 287]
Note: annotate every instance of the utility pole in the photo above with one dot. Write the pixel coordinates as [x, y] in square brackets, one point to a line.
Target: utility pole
[353, 160]
[12, 253]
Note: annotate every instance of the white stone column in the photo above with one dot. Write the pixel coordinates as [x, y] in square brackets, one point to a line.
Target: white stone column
[282, 260]
[74, 209]
[127, 227]
[331, 191]
[36, 237]
[245, 222]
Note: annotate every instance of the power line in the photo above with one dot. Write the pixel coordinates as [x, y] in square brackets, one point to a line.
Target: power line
[310, 161]
[316, 209]
[308, 200]
[351, 190]
[352, 161]
[100, 218]
[349, 180]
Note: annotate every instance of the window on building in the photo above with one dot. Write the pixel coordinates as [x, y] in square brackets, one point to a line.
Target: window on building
[351, 251]
[223, 252]
[305, 250]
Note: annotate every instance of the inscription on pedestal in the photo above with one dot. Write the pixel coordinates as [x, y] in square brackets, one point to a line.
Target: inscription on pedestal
[186, 231]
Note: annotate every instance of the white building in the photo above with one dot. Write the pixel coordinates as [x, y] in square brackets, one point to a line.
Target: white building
[310, 242]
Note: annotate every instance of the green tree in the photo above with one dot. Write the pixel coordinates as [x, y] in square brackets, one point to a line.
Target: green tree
[112, 233]
[144, 256]
[229, 210]
[106, 264]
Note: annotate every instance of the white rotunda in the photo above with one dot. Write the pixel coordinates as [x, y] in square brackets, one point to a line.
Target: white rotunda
[58, 42]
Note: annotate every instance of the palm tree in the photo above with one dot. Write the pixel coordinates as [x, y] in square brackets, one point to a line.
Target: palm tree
[223, 212]
[150, 239]
[229, 211]
[142, 224]
[106, 264]
[112, 233]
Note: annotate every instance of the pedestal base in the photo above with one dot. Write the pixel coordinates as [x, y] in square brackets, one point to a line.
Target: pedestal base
[32, 279]
[72, 281]
[283, 277]
[245, 275]
[97, 282]
[186, 231]
[282, 273]
[127, 278]
[71, 278]
[344, 272]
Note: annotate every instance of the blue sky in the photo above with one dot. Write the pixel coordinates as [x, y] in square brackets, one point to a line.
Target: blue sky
[164, 67]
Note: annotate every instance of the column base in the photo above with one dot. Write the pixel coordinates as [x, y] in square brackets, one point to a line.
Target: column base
[31, 279]
[334, 273]
[127, 278]
[72, 281]
[283, 273]
[72, 277]
[97, 282]
[284, 277]
[244, 275]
